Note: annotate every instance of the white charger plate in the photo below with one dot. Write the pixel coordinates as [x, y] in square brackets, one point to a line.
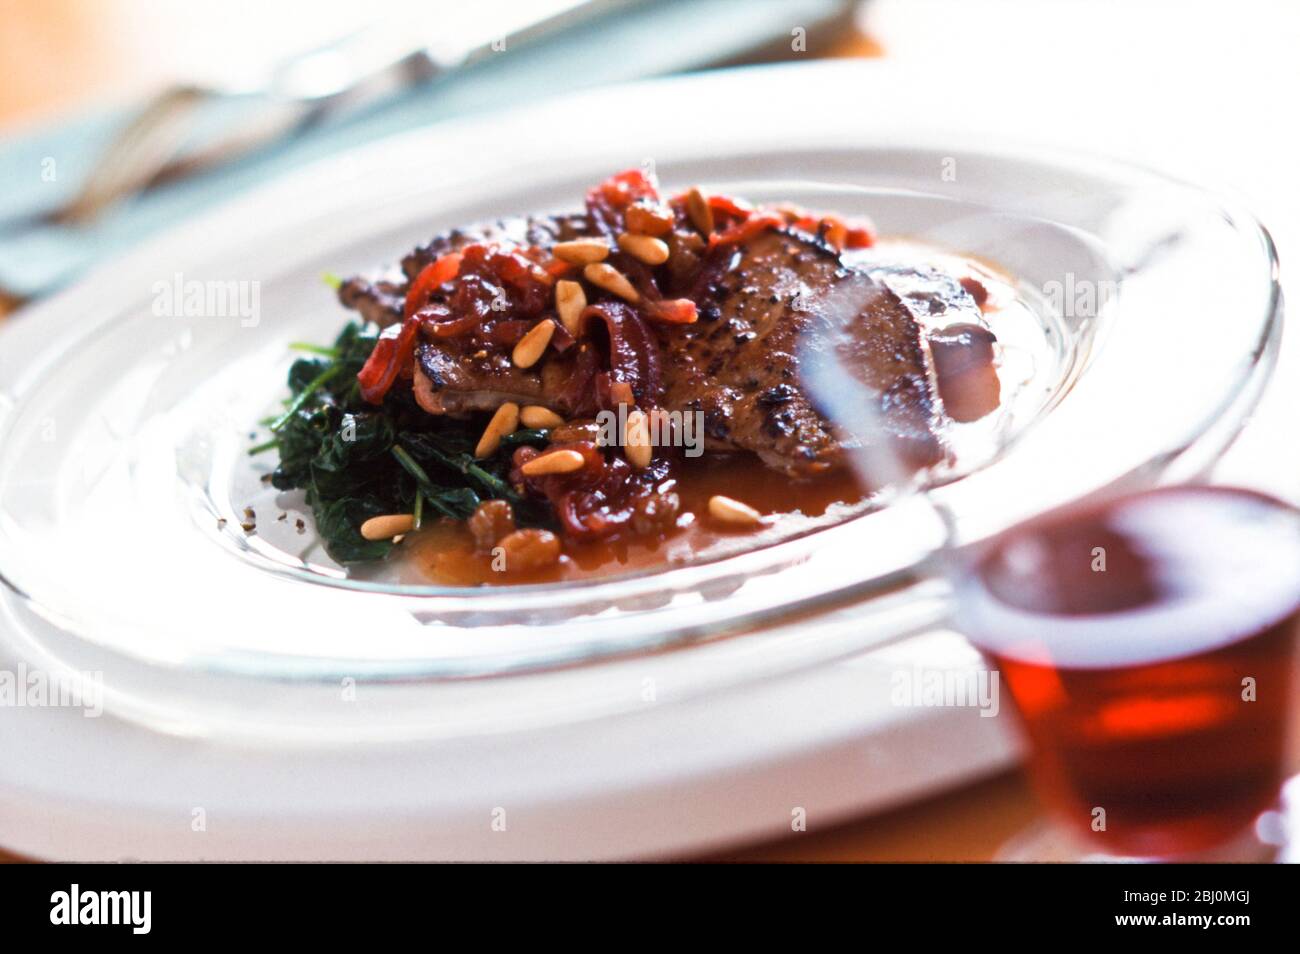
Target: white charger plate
[156, 431]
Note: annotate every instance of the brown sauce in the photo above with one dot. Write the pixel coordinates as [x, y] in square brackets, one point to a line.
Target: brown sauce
[444, 553]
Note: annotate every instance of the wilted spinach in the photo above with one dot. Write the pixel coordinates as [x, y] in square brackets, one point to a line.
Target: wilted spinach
[356, 460]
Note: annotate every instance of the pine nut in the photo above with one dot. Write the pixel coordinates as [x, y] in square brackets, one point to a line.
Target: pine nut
[504, 421]
[700, 212]
[532, 345]
[636, 441]
[644, 248]
[543, 418]
[388, 526]
[612, 280]
[733, 512]
[554, 462]
[581, 251]
[570, 299]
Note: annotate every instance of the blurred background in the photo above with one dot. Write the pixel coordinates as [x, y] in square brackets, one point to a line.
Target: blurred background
[119, 118]
[123, 117]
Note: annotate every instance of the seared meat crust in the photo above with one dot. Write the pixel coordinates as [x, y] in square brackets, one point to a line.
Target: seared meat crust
[762, 305]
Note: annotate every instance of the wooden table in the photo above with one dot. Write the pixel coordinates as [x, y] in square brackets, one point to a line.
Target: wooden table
[61, 55]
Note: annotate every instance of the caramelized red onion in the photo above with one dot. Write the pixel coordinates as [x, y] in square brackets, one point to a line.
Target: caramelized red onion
[632, 354]
[606, 496]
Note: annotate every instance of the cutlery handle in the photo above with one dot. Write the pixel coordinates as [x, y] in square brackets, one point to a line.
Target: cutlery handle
[136, 154]
[357, 69]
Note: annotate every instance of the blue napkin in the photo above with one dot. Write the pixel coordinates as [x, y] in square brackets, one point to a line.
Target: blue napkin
[44, 169]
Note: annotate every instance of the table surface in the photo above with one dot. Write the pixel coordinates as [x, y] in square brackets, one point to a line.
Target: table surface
[119, 49]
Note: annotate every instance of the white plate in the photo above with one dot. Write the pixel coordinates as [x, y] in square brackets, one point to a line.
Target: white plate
[125, 471]
[108, 530]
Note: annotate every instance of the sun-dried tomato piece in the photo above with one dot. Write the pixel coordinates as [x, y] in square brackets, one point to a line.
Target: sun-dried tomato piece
[673, 311]
[749, 227]
[434, 275]
[393, 352]
[608, 201]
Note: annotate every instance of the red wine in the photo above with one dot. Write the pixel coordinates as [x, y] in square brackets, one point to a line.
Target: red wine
[1147, 643]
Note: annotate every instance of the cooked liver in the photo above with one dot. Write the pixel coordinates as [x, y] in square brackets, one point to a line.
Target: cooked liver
[761, 304]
